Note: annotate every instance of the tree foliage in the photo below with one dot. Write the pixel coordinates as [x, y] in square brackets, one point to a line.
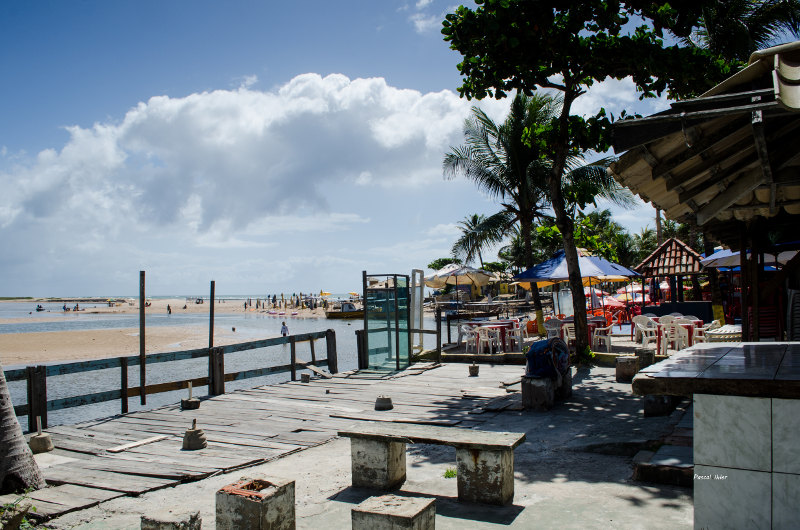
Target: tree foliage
[438, 263]
[736, 28]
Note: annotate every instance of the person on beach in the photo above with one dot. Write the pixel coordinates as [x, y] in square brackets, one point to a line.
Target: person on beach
[284, 329]
[169, 310]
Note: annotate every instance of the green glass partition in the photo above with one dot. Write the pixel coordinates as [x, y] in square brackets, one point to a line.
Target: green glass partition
[387, 321]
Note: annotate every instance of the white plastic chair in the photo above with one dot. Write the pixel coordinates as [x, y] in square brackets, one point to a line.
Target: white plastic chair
[645, 330]
[676, 334]
[470, 341]
[553, 328]
[516, 334]
[569, 333]
[463, 329]
[666, 319]
[602, 335]
[488, 337]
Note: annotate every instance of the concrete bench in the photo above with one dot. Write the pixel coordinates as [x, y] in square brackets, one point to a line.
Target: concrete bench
[484, 460]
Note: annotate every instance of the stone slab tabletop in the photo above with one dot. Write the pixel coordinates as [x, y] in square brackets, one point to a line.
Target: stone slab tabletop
[757, 369]
[432, 434]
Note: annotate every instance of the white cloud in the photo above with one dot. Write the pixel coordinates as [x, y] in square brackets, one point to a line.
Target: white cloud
[424, 23]
[298, 169]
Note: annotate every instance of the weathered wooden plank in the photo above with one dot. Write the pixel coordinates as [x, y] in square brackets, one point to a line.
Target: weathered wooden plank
[124, 447]
[73, 474]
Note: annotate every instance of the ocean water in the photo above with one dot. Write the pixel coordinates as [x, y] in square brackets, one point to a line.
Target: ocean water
[250, 326]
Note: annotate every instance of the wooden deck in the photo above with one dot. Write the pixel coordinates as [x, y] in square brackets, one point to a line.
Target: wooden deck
[249, 427]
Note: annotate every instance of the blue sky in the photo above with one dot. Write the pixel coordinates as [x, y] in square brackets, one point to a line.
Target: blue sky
[267, 146]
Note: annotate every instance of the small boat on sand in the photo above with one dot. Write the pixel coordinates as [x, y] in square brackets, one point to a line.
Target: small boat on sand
[346, 310]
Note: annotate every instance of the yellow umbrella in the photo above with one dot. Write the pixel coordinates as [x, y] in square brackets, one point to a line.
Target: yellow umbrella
[351, 293]
[324, 293]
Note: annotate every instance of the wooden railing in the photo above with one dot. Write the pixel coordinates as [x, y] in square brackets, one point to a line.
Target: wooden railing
[36, 376]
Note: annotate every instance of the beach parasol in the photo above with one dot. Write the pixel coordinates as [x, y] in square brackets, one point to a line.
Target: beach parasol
[727, 258]
[633, 297]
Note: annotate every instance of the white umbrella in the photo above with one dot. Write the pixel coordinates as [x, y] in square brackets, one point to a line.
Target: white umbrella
[437, 280]
[467, 275]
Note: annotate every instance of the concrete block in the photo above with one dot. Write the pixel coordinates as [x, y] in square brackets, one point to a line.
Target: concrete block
[646, 357]
[484, 476]
[538, 393]
[256, 504]
[391, 512]
[172, 520]
[377, 464]
[627, 367]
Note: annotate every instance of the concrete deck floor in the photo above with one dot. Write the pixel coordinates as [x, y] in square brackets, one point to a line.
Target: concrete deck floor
[573, 471]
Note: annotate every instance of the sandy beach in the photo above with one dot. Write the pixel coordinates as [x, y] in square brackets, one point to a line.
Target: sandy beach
[44, 347]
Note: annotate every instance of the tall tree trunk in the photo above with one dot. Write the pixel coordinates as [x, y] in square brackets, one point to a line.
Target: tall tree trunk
[18, 469]
[659, 235]
[566, 225]
[526, 226]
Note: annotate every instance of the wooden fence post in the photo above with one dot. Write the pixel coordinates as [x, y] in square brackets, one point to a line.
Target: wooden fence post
[216, 383]
[363, 357]
[438, 335]
[142, 353]
[293, 354]
[123, 393]
[330, 342]
[37, 395]
[313, 354]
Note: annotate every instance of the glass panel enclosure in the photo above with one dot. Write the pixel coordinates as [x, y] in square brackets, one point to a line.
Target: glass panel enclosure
[387, 321]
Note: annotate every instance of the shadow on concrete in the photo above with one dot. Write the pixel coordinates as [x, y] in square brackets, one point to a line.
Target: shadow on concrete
[445, 506]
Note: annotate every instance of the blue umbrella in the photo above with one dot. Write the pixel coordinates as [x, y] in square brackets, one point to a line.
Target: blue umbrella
[555, 270]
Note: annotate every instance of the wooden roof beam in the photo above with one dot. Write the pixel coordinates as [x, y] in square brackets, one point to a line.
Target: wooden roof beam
[746, 183]
[705, 143]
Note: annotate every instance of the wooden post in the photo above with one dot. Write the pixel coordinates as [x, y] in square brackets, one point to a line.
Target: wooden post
[363, 358]
[744, 283]
[330, 342]
[211, 368]
[123, 393]
[211, 317]
[447, 319]
[313, 354]
[142, 355]
[438, 334]
[755, 252]
[37, 395]
[293, 354]
[216, 383]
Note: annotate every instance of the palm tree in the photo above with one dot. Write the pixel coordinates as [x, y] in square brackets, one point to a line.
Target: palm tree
[475, 237]
[18, 469]
[734, 29]
[496, 157]
[514, 169]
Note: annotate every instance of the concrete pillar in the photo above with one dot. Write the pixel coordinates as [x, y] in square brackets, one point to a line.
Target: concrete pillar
[256, 504]
[538, 393]
[377, 464]
[394, 512]
[627, 367]
[485, 476]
